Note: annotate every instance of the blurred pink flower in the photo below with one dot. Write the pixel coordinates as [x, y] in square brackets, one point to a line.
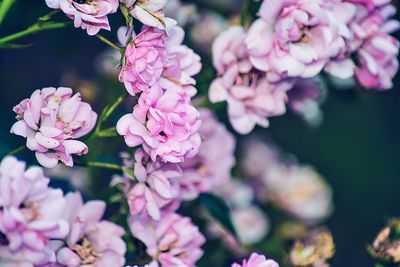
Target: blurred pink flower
[370, 4]
[378, 62]
[51, 120]
[256, 260]
[251, 98]
[211, 167]
[145, 57]
[173, 241]
[91, 241]
[156, 190]
[305, 99]
[30, 214]
[90, 15]
[164, 123]
[295, 38]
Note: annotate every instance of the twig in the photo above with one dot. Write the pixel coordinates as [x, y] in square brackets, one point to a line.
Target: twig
[105, 40]
[4, 8]
[35, 28]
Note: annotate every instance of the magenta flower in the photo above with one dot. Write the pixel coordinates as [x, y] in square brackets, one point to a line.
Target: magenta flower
[164, 123]
[51, 120]
[173, 241]
[30, 214]
[145, 57]
[91, 241]
[257, 260]
[156, 190]
[295, 38]
[211, 167]
[251, 98]
[90, 15]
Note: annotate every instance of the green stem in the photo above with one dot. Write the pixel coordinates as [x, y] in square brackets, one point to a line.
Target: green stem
[16, 151]
[105, 40]
[104, 165]
[4, 8]
[244, 13]
[35, 28]
[114, 106]
[110, 132]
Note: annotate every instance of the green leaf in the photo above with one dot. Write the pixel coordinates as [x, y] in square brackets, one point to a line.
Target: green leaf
[219, 210]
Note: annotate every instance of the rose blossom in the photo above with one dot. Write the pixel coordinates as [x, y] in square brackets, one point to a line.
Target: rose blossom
[295, 38]
[211, 167]
[90, 15]
[250, 96]
[182, 63]
[91, 241]
[156, 189]
[145, 57]
[256, 260]
[30, 214]
[164, 123]
[51, 119]
[149, 12]
[173, 241]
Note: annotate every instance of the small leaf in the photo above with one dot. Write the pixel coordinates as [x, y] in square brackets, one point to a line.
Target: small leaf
[219, 210]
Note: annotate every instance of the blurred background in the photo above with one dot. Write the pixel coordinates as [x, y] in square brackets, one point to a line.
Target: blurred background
[356, 147]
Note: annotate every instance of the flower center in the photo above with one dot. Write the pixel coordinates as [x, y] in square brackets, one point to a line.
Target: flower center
[86, 252]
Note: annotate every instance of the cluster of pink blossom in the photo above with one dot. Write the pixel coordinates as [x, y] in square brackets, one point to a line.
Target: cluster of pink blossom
[50, 120]
[164, 121]
[87, 14]
[295, 40]
[41, 227]
[155, 189]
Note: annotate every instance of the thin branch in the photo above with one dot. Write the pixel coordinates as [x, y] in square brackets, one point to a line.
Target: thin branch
[244, 16]
[104, 165]
[16, 151]
[35, 28]
[105, 40]
[4, 8]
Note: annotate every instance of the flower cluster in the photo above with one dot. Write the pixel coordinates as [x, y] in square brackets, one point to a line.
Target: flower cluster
[41, 227]
[50, 120]
[295, 40]
[90, 15]
[164, 121]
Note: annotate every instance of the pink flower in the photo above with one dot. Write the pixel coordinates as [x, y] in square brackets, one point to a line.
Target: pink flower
[156, 191]
[251, 98]
[256, 260]
[211, 167]
[145, 58]
[305, 99]
[90, 15]
[51, 120]
[182, 63]
[378, 62]
[30, 214]
[91, 241]
[173, 241]
[164, 123]
[149, 12]
[370, 4]
[295, 38]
